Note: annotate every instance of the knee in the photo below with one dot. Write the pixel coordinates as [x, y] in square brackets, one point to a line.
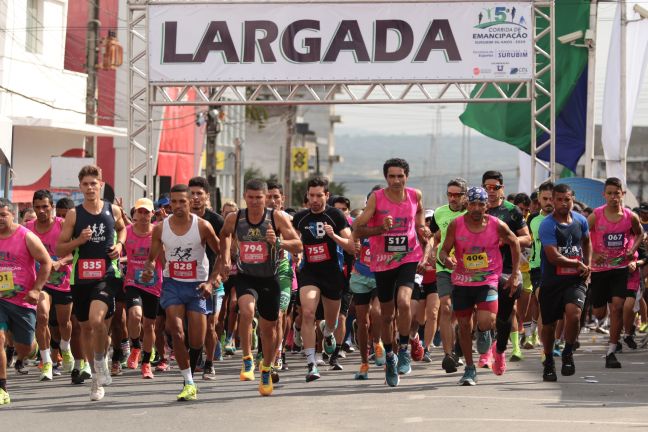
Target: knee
[42, 318]
[387, 318]
[599, 313]
[445, 310]
[308, 315]
[616, 307]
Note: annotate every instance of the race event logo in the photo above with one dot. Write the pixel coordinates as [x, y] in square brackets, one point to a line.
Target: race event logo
[501, 23]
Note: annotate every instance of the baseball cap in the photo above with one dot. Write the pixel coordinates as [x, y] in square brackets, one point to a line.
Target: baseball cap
[643, 207]
[144, 203]
[163, 202]
[429, 213]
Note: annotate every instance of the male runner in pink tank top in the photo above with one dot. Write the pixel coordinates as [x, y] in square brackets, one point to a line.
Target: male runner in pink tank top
[616, 236]
[394, 221]
[477, 267]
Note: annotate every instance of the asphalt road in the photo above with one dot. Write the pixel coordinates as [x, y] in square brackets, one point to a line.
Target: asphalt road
[428, 398]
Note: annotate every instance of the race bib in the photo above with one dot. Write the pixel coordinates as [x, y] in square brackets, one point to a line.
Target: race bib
[253, 252]
[365, 255]
[477, 261]
[92, 268]
[182, 269]
[6, 281]
[396, 244]
[614, 240]
[317, 253]
[568, 271]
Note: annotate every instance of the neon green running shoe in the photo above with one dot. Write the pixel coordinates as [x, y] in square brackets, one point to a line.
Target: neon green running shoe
[189, 393]
[68, 361]
[46, 372]
[4, 397]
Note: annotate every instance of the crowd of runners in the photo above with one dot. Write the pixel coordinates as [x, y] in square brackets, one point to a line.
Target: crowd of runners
[88, 290]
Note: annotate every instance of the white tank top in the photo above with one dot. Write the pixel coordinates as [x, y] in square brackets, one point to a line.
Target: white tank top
[186, 260]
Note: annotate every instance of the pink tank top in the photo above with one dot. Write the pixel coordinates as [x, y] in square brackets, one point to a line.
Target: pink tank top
[17, 269]
[611, 240]
[137, 251]
[59, 280]
[400, 244]
[479, 261]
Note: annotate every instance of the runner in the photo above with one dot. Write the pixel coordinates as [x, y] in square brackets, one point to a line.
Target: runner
[477, 269]
[565, 257]
[186, 284]
[56, 293]
[394, 220]
[532, 314]
[199, 189]
[443, 216]
[142, 298]
[616, 236]
[260, 233]
[20, 287]
[325, 233]
[507, 212]
[95, 232]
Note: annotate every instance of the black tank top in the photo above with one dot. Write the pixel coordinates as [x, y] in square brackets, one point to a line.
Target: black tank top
[91, 262]
[256, 257]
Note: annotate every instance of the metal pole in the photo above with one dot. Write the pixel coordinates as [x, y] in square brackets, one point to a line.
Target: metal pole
[590, 129]
[91, 81]
[290, 132]
[237, 171]
[552, 88]
[623, 139]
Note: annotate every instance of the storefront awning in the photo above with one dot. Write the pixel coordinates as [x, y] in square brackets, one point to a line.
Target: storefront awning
[68, 127]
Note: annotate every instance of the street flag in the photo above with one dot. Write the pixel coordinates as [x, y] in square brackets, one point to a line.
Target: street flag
[299, 159]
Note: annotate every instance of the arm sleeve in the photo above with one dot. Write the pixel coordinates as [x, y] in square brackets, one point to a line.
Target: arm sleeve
[434, 227]
[547, 233]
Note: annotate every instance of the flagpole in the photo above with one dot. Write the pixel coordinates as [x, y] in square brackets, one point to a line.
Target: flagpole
[591, 92]
[622, 97]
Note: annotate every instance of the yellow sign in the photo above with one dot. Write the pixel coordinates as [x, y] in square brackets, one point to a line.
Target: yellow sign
[300, 159]
[220, 160]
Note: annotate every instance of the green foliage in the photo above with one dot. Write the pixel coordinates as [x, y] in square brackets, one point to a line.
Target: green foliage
[299, 190]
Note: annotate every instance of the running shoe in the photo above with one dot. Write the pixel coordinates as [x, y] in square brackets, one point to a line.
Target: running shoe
[417, 348]
[619, 348]
[255, 337]
[516, 355]
[549, 371]
[457, 359]
[297, 339]
[68, 361]
[534, 339]
[104, 377]
[230, 347]
[46, 372]
[611, 362]
[189, 393]
[57, 369]
[629, 340]
[134, 358]
[427, 356]
[448, 364]
[568, 366]
[4, 397]
[321, 361]
[436, 341]
[147, 373]
[247, 369]
[274, 375]
[469, 377]
[85, 372]
[218, 352]
[328, 344]
[404, 362]
[391, 370]
[486, 360]
[278, 363]
[209, 374]
[20, 367]
[75, 376]
[116, 368]
[557, 351]
[97, 391]
[499, 360]
[284, 364]
[313, 373]
[379, 351]
[265, 383]
[163, 366]
[363, 373]
[484, 341]
[347, 348]
[334, 362]
[643, 328]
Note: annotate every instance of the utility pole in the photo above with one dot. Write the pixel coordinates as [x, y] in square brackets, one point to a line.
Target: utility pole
[237, 170]
[214, 127]
[290, 132]
[91, 85]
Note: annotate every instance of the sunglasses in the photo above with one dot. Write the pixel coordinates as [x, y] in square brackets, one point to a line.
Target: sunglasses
[455, 195]
[492, 188]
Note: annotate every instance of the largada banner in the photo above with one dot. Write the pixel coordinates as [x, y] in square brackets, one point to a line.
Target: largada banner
[339, 42]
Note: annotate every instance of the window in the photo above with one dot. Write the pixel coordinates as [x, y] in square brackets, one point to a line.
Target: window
[34, 26]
